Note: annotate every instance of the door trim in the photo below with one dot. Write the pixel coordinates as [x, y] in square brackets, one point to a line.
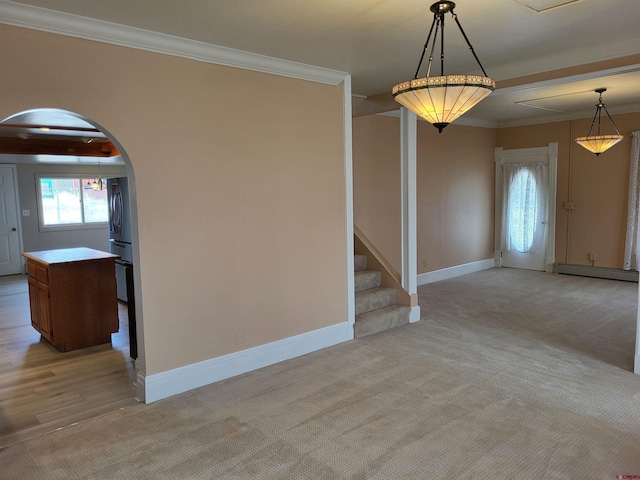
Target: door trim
[16, 193]
[502, 156]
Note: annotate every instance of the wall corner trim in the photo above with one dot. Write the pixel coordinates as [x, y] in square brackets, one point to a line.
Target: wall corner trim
[51, 21]
[455, 271]
[179, 380]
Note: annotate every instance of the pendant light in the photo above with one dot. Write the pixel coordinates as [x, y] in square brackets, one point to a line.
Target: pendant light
[599, 143]
[96, 184]
[442, 99]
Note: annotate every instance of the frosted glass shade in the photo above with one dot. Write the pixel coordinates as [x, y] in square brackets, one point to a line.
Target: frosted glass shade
[440, 100]
[598, 143]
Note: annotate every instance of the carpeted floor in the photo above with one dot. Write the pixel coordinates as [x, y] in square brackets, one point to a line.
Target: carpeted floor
[509, 375]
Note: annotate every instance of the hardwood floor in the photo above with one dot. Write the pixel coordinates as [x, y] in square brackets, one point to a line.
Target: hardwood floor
[42, 389]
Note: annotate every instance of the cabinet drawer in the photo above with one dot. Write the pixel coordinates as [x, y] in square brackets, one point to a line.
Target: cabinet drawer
[38, 271]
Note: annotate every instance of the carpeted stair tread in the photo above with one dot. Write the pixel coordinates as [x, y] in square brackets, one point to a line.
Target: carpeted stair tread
[365, 279]
[374, 298]
[359, 262]
[381, 319]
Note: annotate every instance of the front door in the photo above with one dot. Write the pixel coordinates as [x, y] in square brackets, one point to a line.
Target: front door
[527, 219]
[10, 260]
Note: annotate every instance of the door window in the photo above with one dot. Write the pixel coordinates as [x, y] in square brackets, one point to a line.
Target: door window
[523, 210]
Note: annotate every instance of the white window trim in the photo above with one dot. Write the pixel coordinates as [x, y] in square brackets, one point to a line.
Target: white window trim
[69, 226]
[515, 156]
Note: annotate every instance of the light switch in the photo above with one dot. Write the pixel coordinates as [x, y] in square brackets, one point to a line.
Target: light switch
[26, 213]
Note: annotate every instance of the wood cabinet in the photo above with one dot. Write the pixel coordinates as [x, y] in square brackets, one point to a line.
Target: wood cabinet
[72, 294]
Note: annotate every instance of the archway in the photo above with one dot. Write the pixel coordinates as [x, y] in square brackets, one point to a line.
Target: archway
[52, 140]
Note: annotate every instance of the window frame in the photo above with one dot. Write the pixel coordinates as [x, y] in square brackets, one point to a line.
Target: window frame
[67, 226]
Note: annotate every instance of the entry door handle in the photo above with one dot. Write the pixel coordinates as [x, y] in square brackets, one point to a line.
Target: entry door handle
[13, 229]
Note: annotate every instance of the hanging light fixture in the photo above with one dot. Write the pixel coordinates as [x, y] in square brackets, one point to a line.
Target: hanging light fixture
[96, 184]
[442, 99]
[599, 143]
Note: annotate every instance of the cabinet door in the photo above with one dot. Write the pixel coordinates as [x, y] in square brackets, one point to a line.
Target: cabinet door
[44, 311]
[33, 303]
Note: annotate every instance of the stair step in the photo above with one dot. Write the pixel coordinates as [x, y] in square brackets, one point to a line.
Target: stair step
[381, 319]
[365, 279]
[374, 298]
[359, 262]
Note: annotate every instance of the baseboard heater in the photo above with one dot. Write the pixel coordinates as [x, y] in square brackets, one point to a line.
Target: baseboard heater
[596, 272]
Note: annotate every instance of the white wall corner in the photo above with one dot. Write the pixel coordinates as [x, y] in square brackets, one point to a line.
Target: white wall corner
[550, 262]
[348, 176]
[179, 380]
[497, 259]
[636, 362]
[414, 315]
[140, 387]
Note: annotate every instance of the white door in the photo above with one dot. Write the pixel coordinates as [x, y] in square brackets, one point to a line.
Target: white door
[526, 194]
[10, 260]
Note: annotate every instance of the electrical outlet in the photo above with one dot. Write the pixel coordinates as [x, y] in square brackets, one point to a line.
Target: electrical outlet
[239, 337]
[593, 257]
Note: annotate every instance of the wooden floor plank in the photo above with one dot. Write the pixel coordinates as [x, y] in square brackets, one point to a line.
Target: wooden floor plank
[41, 389]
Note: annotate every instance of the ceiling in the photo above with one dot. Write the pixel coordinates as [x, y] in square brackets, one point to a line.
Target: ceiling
[589, 44]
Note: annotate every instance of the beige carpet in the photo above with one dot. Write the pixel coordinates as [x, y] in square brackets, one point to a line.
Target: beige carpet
[509, 375]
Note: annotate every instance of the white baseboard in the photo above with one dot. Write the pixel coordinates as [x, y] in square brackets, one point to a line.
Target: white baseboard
[636, 365]
[456, 271]
[414, 315]
[172, 382]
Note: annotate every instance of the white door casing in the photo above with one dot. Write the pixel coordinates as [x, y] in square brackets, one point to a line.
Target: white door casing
[10, 259]
[537, 166]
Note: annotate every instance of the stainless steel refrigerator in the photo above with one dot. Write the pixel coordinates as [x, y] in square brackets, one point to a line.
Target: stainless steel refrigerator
[120, 244]
[120, 230]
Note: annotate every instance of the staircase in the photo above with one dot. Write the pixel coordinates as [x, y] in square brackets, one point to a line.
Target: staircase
[376, 308]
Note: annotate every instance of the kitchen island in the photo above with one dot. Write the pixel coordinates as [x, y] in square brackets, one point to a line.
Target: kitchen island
[72, 294]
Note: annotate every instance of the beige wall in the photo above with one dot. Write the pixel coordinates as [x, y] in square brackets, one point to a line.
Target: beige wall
[240, 187]
[455, 195]
[598, 186]
[455, 177]
[376, 183]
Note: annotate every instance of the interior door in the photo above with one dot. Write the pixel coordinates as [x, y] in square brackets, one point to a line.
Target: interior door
[525, 193]
[10, 260]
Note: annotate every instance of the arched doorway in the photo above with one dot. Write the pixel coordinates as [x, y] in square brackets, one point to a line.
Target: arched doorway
[36, 145]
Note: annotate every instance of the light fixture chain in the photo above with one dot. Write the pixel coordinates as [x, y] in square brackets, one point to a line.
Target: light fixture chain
[595, 115]
[433, 47]
[441, 19]
[426, 46]
[612, 122]
[455, 16]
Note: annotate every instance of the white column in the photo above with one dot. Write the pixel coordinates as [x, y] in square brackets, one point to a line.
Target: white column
[348, 176]
[636, 363]
[409, 235]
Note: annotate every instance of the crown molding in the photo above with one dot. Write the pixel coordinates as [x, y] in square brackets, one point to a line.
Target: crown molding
[563, 117]
[51, 21]
[566, 59]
